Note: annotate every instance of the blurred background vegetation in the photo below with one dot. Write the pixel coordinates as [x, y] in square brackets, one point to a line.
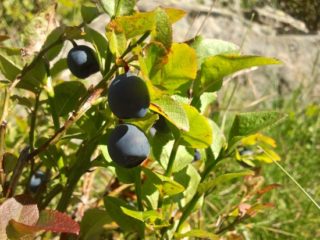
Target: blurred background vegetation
[298, 138]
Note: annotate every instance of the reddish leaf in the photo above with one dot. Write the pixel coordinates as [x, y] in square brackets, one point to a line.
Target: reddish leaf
[57, 222]
[268, 188]
[49, 221]
[19, 216]
[21, 209]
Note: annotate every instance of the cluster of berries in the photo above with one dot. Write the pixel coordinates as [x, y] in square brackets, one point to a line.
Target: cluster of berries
[128, 97]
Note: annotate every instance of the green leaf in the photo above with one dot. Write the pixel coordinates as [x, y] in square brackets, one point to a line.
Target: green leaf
[139, 23]
[189, 178]
[73, 32]
[127, 223]
[161, 145]
[8, 69]
[89, 12]
[92, 223]
[197, 233]
[34, 79]
[165, 185]
[14, 55]
[211, 183]
[100, 44]
[214, 69]
[200, 131]
[117, 40]
[150, 193]
[118, 7]
[162, 31]
[183, 157]
[210, 47]
[142, 216]
[125, 175]
[218, 139]
[67, 96]
[156, 56]
[172, 111]
[9, 162]
[51, 38]
[92, 121]
[144, 123]
[204, 102]
[58, 67]
[249, 123]
[180, 69]
[168, 186]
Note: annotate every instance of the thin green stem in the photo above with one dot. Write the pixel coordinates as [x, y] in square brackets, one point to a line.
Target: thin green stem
[188, 210]
[33, 121]
[3, 128]
[172, 157]
[4, 110]
[191, 205]
[296, 182]
[21, 163]
[137, 183]
[138, 42]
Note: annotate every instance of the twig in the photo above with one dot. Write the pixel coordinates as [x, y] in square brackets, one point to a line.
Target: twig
[40, 55]
[86, 189]
[33, 122]
[3, 128]
[22, 161]
[72, 119]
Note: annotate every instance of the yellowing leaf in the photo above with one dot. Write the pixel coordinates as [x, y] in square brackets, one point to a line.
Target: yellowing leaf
[267, 140]
[139, 23]
[117, 39]
[162, 31]
[180, 69]
[258, 138]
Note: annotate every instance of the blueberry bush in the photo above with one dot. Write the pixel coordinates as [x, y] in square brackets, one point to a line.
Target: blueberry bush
[115, 138]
